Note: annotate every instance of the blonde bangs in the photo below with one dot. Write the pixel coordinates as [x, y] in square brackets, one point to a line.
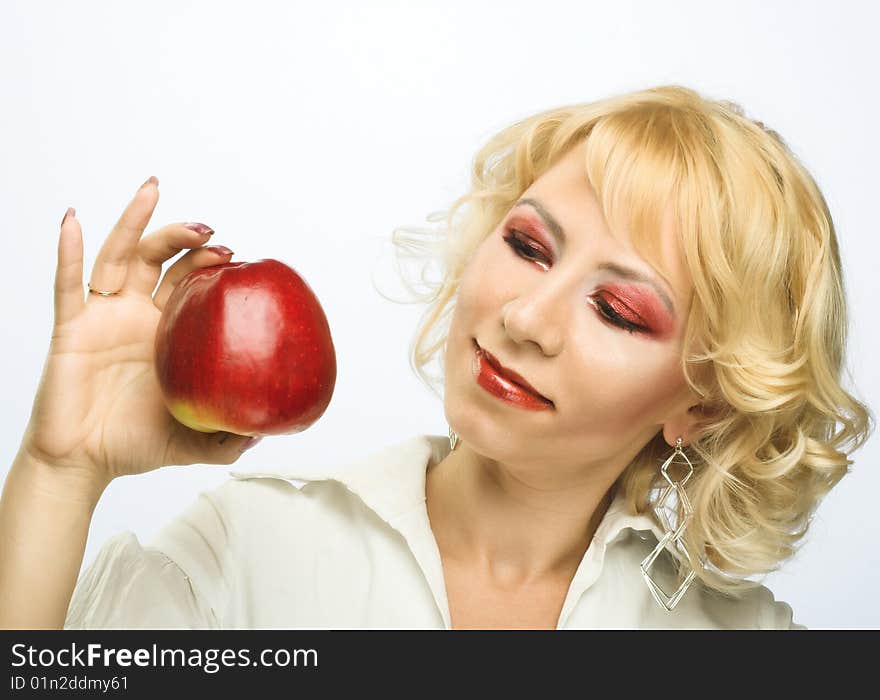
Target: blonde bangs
[635, 165]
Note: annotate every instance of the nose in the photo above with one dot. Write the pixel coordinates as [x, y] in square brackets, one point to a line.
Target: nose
[539, 315]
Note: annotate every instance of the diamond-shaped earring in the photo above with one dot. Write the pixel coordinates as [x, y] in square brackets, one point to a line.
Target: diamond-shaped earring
[453, 439]
[672, 535]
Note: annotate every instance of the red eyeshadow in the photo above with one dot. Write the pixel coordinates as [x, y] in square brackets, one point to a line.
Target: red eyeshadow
[532, 226]
[646, 305]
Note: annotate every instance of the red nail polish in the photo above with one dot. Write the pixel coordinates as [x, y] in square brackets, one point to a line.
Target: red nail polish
[219, 249]
[199, 228]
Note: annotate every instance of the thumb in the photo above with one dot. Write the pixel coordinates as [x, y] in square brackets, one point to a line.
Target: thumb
[221, 447]
[228, 445]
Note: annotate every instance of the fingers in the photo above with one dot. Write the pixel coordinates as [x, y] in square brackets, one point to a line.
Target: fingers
[118, 250]
[200, 257]
[157, 248]
[69, 299]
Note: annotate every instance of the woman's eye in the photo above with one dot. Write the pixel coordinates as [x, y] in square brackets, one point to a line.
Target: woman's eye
[524, 250]
[608, 312]
[527, 252]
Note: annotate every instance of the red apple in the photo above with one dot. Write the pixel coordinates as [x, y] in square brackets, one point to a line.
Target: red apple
[245, 348]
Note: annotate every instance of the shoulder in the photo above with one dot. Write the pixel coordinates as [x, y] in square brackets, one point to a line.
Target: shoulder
[755, 608]
[770, 613]
[262, 504]
[255, 492]
[382, 486]
[701, 607]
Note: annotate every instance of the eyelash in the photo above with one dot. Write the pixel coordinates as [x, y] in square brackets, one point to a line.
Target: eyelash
[527, 252]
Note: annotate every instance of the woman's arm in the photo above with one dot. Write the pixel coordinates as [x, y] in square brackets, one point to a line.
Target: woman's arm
[45, 515]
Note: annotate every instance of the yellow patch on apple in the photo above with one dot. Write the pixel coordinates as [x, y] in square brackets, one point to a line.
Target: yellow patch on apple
[185, 414]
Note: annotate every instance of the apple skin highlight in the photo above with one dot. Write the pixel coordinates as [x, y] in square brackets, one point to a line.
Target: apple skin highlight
[245, 348]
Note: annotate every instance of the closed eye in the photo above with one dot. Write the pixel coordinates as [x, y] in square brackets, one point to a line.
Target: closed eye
[527, 252]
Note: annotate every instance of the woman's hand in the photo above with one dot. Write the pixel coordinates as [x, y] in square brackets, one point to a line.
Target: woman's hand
[98, 409]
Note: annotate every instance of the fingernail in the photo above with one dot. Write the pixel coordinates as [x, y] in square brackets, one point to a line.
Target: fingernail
[200, 228]
[251, 442]
[70, 212]
[219, 249]
[153, 179]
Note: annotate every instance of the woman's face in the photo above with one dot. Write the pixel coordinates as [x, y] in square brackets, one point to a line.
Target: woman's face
[603, 347]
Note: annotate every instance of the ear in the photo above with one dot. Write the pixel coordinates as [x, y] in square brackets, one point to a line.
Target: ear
[684, 425]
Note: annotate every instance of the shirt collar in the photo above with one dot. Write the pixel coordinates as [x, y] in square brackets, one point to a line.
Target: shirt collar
[391, 482]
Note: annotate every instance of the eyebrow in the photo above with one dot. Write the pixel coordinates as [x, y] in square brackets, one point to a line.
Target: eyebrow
[626, 272]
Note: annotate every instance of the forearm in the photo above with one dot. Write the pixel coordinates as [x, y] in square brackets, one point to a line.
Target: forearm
[45, 515]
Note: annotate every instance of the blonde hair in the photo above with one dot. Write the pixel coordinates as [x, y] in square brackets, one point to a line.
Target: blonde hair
[765, 337]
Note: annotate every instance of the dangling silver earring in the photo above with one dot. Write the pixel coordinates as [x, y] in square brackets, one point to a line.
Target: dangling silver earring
[453, 439]
[671, 535]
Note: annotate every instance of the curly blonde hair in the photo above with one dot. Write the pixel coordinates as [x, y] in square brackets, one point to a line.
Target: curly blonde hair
[765, 338]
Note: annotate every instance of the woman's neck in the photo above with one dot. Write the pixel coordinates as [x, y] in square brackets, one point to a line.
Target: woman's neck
[512, 529]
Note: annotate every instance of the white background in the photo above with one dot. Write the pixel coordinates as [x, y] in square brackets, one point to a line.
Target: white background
[307, 131]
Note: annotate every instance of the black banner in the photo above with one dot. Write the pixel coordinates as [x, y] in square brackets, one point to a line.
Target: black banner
[136, 663]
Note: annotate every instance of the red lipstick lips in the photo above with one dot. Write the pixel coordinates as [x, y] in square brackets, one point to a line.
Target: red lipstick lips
[505, 383]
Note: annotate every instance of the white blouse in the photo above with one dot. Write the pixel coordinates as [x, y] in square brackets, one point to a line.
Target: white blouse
[352, 547]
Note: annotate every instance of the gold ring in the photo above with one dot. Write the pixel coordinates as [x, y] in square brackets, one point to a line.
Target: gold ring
[100, 292]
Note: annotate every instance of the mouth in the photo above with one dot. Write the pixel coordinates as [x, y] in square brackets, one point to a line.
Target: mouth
[511, 376]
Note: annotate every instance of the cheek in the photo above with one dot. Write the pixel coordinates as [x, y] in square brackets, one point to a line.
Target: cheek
[619, 382]
[485, 281]
[472, 302]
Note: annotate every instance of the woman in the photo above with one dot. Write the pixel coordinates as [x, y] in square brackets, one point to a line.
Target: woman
[641, 369]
